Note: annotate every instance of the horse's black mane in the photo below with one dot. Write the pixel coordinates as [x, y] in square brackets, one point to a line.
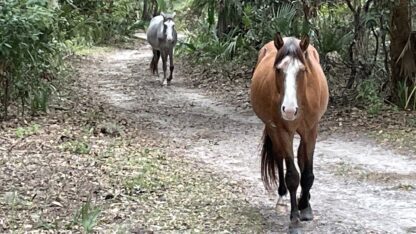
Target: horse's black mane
[290, 48]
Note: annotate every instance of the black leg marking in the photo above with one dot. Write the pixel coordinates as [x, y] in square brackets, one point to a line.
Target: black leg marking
[292, 183]
[282, 190]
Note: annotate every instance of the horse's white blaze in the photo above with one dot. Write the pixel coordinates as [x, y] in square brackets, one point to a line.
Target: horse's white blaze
[169, 30]
[290, 67]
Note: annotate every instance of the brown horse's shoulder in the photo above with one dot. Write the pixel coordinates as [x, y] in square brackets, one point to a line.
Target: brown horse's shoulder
[263, 90]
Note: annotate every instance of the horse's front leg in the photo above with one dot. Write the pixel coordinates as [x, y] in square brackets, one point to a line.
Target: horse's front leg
[155, 62]
[281, 190]
[305, 162]
[164, 56]
[284, 144]
[292, 183]
[171, 66]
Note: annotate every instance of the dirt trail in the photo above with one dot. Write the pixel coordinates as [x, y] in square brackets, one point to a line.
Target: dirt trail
[359, 188]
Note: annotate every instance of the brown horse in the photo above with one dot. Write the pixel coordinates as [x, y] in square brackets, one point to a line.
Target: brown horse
[289, 93]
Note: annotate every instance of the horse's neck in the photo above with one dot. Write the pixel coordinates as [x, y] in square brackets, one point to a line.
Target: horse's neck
[160, 34]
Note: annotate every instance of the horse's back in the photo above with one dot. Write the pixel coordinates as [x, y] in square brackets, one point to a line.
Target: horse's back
[266, 49]
[154, 30]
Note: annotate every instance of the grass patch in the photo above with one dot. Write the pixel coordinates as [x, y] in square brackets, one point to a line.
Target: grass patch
[404, 139]
[177, 196]
[84, 51]
[22, 132]
[87, 216]
[76, 147]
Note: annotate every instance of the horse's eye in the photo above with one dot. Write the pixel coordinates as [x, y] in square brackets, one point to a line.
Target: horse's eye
[279, 71]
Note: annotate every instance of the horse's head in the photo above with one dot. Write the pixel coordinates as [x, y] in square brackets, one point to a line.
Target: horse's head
[290, 65]
[168, 26]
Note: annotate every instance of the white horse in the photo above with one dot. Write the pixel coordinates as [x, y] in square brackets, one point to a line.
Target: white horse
[162, 36]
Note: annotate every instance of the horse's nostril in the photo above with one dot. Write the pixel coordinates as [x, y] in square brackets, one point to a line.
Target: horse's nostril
[296, 111]
[283, 108]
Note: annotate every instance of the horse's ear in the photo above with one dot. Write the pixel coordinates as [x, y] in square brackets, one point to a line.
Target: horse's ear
[278, 41]
[173, 14]
[163, 14]
[304, 43]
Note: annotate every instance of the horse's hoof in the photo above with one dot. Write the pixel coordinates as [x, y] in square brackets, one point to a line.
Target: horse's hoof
[294, 226]
[163, 82]
[294, 217]
[306, 214]
[294, 230]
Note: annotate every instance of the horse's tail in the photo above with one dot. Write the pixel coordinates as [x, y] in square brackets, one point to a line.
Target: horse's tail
[268, 163]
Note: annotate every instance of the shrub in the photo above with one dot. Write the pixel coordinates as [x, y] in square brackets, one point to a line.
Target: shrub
[368, 94]
[35, 34]
[91, 22]
[30, 53]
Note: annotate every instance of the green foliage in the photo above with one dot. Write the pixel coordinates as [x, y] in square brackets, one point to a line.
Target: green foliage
[335, 33]
[35, 35]
[87, 216]
[91, 22]
[258, 26]
[77, 147]
[30, 53]
[407, 96]
[162, 5]
[263, 23]
[27, 131]
[206, 45]
[368, 94]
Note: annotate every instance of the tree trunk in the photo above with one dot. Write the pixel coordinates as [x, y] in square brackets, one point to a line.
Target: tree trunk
[145, 14]
[399, 34]
[358, 47]
[155, 8]
[222, 23]
[227, 18]
[310, 9]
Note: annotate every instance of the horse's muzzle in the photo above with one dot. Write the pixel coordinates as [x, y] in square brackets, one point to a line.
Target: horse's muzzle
[170, 41]
[289, 113]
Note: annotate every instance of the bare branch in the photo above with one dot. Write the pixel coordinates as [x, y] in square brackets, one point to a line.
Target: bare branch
[349, 4]
[367, 5]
